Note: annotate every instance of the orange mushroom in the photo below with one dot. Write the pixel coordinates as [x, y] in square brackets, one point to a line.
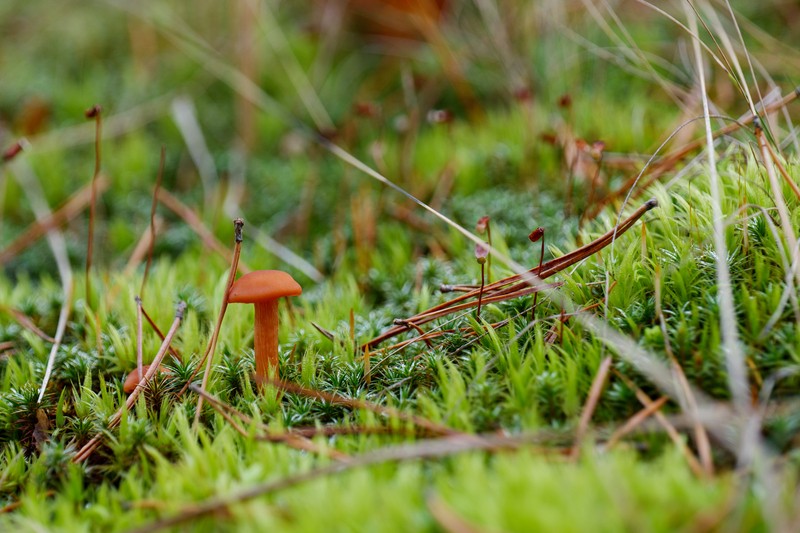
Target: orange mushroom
[263, 288]
[133, 378]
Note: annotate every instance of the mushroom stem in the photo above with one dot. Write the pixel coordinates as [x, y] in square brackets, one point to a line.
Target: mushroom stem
[266, 339]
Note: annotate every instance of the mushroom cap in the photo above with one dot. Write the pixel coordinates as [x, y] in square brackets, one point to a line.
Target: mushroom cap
[133, 378]
[262, 285]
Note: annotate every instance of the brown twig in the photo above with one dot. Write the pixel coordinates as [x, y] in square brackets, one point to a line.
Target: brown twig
[521, 290]
[546, 270]
[419, 330]
[457, 288]
[71, 208]
[782, 170]
[26, 322]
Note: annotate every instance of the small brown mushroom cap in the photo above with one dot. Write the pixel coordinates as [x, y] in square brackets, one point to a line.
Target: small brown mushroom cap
[263, 285]
[133, 378]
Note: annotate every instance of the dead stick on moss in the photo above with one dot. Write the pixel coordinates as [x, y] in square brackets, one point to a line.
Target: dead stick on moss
[153, 218]
[547, 269]
[525, 290]
[592, 400]
[92, 445]
[208, 356]
[71, 208]
[194, 222]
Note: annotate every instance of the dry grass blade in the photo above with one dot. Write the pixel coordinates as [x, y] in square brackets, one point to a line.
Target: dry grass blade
[780, 203]
[427, 316]
[634, 421]
[752, 451]
[92, 445]
[734, 358]
[71, 208]
[26, 322]
[324, 332]
[782, 169]
[194, 222]
[592, 400]
[272, 31]
[283, 253]
[655, 168]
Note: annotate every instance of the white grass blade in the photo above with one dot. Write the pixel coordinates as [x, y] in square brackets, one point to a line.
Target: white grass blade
[734, 356]
[184, 115]
[29, 183]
